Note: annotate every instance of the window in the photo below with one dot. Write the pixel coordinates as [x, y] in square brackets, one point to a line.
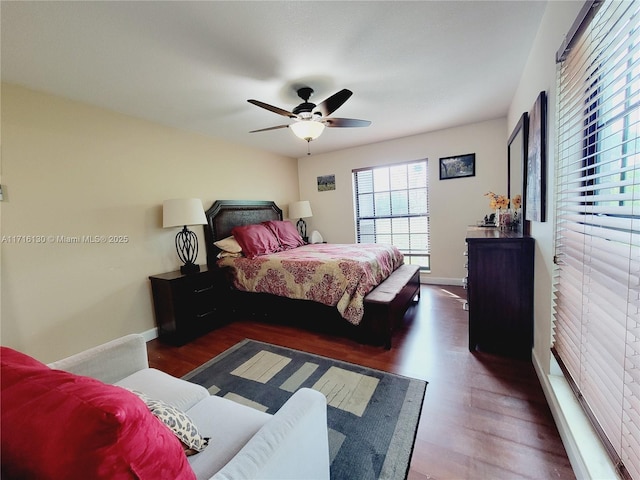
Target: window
[392, 206]
[597, 297]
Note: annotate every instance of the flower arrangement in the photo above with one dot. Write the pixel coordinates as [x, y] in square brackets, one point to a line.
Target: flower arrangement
[504, 217]
[502, 202]
[496, 201]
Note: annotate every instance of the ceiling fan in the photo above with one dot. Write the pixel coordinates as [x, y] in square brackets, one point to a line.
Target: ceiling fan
[311, 119]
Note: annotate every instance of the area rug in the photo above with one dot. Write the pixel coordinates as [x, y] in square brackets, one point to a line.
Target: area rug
[372, 415]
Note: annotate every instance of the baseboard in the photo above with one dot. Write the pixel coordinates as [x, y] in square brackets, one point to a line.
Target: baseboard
[150, 334]
[428, 279]
[588, 457]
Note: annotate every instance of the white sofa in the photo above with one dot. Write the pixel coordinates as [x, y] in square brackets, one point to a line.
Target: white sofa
[245, 443]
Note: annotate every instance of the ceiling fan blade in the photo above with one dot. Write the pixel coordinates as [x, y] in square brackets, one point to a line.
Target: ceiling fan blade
[273, 109]
[334, 102]
[269, 128]
[346, 122]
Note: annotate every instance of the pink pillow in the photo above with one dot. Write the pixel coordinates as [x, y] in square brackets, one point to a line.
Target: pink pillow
[60, 425]
[256, 240]
[286, 233]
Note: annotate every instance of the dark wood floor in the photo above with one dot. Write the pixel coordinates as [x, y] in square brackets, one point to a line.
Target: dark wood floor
[484, 417]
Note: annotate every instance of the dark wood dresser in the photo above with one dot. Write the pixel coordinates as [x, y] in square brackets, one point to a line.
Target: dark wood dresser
[187, 306]
[499, 285]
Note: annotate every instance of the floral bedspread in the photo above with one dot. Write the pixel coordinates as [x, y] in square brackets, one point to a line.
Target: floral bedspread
[338, 275]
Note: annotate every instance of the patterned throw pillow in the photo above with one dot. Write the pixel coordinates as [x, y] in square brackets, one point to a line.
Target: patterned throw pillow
[179, 423]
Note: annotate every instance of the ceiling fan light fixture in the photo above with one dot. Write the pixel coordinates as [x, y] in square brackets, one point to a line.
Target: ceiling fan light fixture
[307, 129]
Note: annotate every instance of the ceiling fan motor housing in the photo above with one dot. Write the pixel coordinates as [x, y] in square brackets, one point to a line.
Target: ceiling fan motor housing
[305, 107]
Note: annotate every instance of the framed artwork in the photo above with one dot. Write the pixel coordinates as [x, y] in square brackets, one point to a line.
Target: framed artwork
[326, 182]
[458, 166]
[536, 182]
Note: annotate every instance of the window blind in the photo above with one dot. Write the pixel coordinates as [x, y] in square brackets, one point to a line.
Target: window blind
[392, 206]
[597, 283]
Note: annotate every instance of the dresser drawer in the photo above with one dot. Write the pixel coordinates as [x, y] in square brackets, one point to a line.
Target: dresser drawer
[187, 305]
[196, 296]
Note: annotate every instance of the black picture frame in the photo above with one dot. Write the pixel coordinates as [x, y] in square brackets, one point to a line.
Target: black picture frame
[517, 152]
[536, 181]
[458, 166]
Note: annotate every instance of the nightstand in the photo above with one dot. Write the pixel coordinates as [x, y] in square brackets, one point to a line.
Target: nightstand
[187, 306]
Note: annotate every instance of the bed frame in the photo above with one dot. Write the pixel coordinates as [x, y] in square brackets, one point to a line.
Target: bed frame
[383, 307]
[226, 214]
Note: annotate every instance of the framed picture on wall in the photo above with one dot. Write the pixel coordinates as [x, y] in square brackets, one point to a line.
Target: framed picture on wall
[326, 183]
[536, 185]
[458, 166]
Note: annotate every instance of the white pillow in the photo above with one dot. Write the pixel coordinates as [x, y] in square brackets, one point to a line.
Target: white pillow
[228, 244]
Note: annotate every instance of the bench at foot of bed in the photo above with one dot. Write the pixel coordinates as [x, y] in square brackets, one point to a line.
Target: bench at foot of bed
[387, 303]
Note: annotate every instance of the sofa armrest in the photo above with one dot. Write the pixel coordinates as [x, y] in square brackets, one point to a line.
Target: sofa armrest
[293, 444]
[109, 362]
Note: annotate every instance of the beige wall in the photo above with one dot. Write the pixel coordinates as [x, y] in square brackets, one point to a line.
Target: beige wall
[70, 170]
[454, 204]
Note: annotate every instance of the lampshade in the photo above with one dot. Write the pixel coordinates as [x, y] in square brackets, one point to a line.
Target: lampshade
[179, 212]
[300, 209]
[307, 129]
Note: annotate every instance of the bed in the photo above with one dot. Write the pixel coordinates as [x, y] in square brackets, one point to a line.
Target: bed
[365, 285]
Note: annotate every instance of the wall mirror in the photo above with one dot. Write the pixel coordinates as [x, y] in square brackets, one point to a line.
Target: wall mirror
[516, 161]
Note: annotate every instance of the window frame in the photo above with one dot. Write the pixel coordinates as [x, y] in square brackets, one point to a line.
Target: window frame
[413, 255]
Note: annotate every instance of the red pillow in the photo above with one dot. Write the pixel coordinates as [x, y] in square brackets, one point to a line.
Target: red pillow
[256, 240]
[60, 425]
[286, 233]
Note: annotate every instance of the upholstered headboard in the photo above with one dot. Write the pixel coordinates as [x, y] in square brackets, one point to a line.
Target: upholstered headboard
[226, 214]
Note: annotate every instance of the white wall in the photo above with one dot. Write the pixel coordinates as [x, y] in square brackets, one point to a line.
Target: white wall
[70, 170]
[454, 203]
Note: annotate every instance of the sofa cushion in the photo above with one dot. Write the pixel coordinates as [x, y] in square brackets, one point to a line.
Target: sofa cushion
[59, 425]
[178, 422]
[159, 385]
[230, 426]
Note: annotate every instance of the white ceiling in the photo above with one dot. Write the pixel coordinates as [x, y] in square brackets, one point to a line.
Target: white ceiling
[413, 66]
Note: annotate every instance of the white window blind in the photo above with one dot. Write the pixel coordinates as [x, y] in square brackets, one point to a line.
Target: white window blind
[392, 206]
[597, 284]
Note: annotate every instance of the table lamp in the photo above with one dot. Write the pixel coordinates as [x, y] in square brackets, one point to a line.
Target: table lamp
[301, 210]
[181, 212]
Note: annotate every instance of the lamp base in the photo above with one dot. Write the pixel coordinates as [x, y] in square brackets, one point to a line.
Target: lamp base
[188, 268]
[302, 229]
[187, 247]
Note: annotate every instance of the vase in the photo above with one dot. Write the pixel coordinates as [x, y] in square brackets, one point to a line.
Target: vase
[516, 218]
[504, 218]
